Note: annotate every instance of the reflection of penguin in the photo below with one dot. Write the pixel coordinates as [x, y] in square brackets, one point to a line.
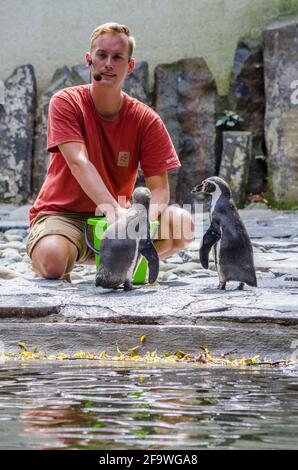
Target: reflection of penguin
[233, 253]
[124, 242]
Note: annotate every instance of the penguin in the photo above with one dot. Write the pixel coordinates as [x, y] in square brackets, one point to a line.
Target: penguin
[233, 254]
[123, 244]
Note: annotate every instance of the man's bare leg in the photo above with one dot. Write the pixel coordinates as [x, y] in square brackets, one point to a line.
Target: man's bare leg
[53, 257]
[176, 230]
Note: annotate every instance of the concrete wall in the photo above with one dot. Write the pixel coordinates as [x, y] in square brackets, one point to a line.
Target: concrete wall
[52, 33]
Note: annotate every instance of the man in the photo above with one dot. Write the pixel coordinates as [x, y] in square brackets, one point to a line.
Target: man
[98, 136]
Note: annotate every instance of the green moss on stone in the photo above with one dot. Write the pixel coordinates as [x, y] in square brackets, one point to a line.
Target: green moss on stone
[288, 7]
[285, 205]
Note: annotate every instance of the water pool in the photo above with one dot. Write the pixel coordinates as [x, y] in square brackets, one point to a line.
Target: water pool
[86, 405]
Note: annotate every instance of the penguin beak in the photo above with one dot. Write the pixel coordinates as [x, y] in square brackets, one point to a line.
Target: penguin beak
[197, 189]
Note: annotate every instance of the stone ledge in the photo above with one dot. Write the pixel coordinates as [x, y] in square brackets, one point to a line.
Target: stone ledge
[20, 306]
[196, 300]
[274, 343]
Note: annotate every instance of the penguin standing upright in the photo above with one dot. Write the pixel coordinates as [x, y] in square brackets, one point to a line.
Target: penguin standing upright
[124, 242]
[233, 255]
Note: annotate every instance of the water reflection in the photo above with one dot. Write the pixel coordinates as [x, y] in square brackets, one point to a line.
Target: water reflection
[88, 406]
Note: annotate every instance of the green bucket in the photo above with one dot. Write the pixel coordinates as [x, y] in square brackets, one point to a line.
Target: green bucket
[100, 224]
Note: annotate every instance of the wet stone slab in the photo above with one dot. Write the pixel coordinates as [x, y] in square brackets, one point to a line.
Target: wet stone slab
[186, 300]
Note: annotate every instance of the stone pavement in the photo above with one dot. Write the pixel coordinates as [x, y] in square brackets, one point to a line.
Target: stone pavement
[182, 311]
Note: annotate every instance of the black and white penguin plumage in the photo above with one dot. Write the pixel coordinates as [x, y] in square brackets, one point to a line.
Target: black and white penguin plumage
[233, 254]
[124, 242]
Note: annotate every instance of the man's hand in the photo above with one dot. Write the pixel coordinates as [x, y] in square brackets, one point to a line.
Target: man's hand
[114, 213]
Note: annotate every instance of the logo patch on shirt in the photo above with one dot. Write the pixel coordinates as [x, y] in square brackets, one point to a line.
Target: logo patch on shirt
[123, 159]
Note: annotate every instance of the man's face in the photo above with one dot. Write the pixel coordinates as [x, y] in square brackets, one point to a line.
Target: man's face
[110, 54]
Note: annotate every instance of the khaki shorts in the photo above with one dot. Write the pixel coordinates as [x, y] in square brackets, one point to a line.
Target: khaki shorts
[70, 225]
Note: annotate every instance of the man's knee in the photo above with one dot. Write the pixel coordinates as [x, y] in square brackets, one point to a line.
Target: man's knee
[53, 256]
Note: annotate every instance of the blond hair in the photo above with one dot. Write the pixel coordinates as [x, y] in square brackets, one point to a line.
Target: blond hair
[113, 28]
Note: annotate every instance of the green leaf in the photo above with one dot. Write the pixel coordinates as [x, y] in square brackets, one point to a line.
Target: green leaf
[98, 424]
[140, 432]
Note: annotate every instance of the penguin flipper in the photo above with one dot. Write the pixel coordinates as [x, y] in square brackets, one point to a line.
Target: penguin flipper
[147, 249]
[210, 238]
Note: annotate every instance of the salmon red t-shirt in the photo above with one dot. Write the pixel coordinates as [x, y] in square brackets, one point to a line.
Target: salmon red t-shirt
[115, 147]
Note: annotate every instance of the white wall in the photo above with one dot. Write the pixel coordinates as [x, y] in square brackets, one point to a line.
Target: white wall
[52, 33]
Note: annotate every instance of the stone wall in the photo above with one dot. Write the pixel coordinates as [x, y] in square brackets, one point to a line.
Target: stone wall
[247, 98]
[16, 135]
[186, 97]
[187, 101]
[281, 81]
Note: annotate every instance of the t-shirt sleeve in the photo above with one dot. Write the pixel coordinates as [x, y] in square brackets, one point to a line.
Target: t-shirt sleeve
[63, 124]
[157, 152]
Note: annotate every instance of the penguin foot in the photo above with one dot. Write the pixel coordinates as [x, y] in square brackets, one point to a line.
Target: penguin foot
[221, 285]
[127, 285]
[241, 286]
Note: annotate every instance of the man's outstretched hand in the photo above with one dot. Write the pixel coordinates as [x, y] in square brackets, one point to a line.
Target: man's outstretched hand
[112, 213]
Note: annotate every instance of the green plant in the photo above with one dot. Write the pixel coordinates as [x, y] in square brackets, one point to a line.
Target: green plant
[228, 118]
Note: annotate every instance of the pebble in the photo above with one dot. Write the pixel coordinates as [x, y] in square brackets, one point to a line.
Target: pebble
[175, 259]
[186, 268]
[11, 254]
[17, 231]
[13, 244]
[195, 258]
[185, 256]
[76, 277]
[79, 267]
[89, 269]
[167, 276]
[12, 238]
[195, 246]
[202, 274]
[7, 273]
[275, 254]
[22, 267]
[260, 249]
[167, 266]
[20, 213]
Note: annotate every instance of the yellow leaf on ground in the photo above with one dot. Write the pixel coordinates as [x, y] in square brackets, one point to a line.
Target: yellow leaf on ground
[133, 352]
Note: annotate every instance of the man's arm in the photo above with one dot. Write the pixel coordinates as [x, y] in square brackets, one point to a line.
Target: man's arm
[76, 156]
[159, 187]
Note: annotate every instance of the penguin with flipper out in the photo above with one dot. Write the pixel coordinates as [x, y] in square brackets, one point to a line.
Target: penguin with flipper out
[124, 242]
[233, 255]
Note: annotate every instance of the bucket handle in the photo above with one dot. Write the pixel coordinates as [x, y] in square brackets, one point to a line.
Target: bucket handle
[95, 250]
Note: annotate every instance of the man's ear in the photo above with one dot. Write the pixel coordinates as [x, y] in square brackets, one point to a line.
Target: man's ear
[131, 66]
[87, 58]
